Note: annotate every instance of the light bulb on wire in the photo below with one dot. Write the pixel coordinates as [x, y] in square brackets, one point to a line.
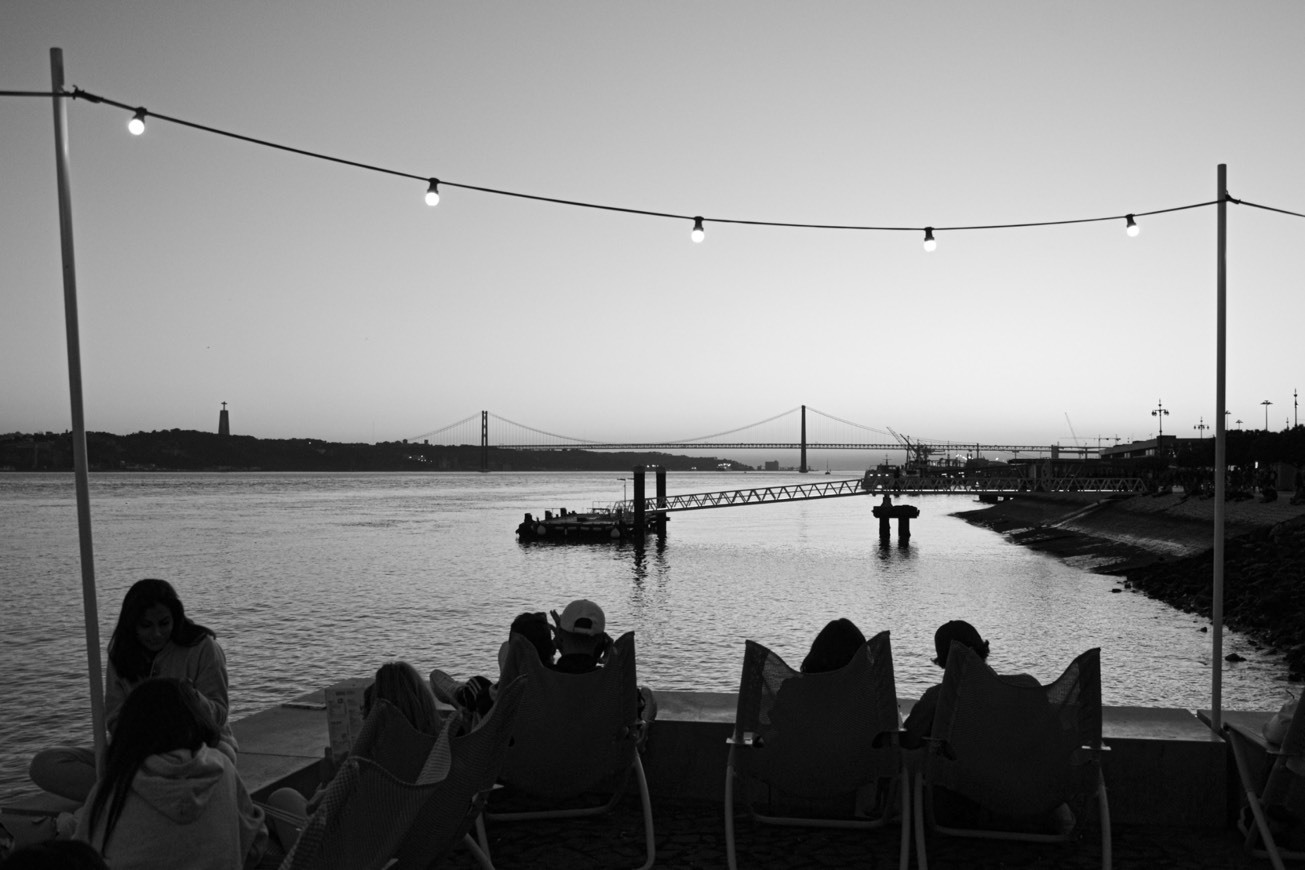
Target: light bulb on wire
[698, 233]
[1131, 227]
[136, 125]
[930, 243]
[433, 192]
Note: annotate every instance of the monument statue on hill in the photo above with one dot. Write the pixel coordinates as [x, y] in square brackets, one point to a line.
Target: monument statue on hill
[224, 422]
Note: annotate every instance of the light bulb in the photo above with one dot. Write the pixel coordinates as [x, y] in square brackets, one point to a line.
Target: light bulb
[698, 233]
[136, 125]
[433, 192]
[930, 243]
[1131, 227]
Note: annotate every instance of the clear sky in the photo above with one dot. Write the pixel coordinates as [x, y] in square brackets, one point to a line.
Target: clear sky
[321, 300]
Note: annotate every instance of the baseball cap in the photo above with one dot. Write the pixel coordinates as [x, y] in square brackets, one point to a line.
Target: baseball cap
[581, 617]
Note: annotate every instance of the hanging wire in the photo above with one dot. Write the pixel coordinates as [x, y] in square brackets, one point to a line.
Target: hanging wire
[1266, 207]
[78, 93]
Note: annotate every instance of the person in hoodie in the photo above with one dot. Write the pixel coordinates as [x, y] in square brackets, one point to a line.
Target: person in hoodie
[153, 638]
[170, 795]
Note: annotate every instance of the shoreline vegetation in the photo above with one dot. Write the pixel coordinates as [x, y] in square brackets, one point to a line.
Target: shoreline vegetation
[1162, 546]
[191, 450]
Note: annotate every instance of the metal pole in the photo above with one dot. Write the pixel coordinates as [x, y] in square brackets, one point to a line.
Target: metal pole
[1220, 456]
[89, 604]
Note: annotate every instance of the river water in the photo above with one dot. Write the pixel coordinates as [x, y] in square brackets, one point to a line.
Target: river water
[309, 578]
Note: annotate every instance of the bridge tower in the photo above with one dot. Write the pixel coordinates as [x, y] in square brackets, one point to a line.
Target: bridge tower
[484, 441]
[802, 465]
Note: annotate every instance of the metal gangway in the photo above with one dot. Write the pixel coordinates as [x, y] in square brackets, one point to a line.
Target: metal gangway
[905, 485]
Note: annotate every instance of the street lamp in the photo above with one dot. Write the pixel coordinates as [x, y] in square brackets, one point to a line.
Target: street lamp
[623, 490]
[1201, 427]
[1161, 413]
[1266, 403]
[1239, 425]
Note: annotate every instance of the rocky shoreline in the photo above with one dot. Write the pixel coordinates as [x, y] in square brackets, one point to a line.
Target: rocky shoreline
[1162, 546]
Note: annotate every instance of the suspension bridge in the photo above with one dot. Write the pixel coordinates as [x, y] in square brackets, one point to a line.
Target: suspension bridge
[799, 429]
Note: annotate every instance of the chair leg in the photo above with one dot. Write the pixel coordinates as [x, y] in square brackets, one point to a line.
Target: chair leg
[906, 820]
[482, 858]
[1253, 800]
[482, 837]
[917, 796]
[1104, 806]
[729, 811]
[650, 842]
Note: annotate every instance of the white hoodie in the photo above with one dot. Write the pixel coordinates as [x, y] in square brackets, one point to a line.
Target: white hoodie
[184, 810]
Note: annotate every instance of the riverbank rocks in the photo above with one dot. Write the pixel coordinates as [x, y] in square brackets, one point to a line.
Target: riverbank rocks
[1162, 546]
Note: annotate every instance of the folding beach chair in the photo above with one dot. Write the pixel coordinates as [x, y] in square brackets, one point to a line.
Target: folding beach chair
[1288, 765]
[800, 738]
[578, 735]
[1005, 755]
[373, 817]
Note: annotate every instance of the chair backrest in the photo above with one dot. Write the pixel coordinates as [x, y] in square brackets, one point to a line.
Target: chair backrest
[813, 734]
[390, 740]
[575, 732]
[1293, 743]
[369, 815]
[1010, 744]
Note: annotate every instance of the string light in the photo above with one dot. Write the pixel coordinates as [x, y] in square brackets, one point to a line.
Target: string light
[433, 192]
[136, 125]
[1131, 227]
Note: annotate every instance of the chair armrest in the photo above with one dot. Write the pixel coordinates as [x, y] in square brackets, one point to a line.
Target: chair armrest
[747, 738]
[888, 738]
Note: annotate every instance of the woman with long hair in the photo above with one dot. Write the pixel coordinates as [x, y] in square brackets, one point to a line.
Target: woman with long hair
[396, 682]
[153, 638]
[170, 795]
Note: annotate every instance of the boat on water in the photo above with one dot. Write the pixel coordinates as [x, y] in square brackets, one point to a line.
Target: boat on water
[568, 526]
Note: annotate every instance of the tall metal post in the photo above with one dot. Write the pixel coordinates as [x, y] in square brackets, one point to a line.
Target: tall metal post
[484, 441]
[802, 466]
[661, 499]
[90, 606]
[1220, 454]
[640, 514]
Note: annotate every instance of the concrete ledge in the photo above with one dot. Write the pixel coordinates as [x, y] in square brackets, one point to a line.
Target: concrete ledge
[1163, 767]
[283, 745]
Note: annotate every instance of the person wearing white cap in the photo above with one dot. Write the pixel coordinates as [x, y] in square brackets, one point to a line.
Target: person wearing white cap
[581, 637]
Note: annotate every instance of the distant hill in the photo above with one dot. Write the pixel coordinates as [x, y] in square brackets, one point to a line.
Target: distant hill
[190, 450]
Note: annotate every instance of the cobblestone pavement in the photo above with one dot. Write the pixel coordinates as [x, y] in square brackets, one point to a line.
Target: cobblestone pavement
[692, 835]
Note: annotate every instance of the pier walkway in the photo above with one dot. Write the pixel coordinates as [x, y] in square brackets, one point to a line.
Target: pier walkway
[939, 484]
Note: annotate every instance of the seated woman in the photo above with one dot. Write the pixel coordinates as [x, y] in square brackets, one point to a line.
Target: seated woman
[833, 647]
[170, 795]
[476, 696]
[153, 638]
[399, 684]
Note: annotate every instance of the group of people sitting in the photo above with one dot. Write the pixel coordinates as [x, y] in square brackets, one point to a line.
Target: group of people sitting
[170, 795]
[840, 639]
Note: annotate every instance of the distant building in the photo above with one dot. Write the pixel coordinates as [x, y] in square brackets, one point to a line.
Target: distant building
[772, 466]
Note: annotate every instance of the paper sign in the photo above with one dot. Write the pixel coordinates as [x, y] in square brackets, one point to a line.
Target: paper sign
[344, 714]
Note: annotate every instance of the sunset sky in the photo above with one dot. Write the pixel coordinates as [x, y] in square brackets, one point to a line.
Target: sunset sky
[328, 301]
